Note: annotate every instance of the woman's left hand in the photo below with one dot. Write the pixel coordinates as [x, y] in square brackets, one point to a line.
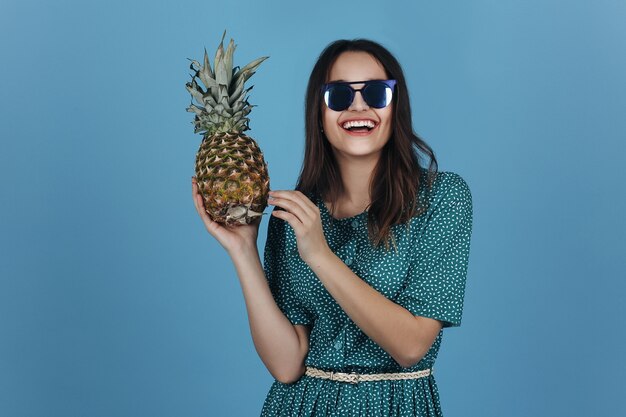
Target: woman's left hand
[304, 217]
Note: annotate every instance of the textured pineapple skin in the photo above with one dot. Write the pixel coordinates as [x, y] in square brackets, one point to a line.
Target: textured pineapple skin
[232, 178]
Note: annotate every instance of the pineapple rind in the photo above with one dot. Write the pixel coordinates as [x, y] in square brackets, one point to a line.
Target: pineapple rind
[231, 172]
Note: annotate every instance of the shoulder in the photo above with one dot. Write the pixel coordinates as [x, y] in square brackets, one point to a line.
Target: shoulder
[449, 198]
[449, 187]
[447, 218]
[453, 187]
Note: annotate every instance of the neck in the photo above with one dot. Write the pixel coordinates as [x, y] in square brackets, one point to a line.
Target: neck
[355, 175]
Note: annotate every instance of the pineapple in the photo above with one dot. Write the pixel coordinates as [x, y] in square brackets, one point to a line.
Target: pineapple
[231, 172]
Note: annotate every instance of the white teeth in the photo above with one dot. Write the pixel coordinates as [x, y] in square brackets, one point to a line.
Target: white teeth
[355, 123]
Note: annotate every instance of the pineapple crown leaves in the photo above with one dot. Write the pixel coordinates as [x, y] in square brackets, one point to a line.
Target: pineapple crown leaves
[223, 103]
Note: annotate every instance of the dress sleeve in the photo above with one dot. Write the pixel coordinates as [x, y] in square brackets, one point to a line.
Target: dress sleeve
[438, 267]
[277, 272]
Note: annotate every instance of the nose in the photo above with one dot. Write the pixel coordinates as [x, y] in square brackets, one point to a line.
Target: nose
[358, 103]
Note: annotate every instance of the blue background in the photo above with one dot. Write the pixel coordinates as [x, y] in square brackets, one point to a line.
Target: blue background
[115, 301]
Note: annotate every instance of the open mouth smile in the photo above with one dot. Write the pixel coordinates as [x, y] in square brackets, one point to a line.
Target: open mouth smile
[362, 127]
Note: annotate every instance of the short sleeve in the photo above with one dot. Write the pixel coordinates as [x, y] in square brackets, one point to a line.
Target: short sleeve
[277, 272]
[437, 274]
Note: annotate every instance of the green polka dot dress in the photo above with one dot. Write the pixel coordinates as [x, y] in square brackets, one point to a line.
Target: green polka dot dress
[426, 276]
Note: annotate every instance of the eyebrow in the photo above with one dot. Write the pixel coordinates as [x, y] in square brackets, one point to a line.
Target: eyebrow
[344, 81]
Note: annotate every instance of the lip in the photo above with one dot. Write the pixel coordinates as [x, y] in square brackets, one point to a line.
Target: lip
[352, 119]
[369, 132]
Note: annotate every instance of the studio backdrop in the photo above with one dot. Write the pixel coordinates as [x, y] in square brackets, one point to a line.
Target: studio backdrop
[114, 299]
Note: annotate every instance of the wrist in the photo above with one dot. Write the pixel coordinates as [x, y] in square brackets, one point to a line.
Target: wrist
[245, 251]
[246, 264]
[319, 258]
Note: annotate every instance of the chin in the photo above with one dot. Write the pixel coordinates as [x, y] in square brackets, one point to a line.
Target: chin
[360, 152]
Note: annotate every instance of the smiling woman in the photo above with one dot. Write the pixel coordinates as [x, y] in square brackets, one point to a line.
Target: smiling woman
[365, 261]
[373, 316]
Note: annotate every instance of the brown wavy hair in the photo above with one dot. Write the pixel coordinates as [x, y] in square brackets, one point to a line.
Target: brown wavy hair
[396, 180]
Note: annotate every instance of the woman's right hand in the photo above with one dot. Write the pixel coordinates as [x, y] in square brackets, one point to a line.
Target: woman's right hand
[235, 239]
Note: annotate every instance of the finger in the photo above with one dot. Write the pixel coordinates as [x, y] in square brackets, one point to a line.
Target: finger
[291, 207]
[199, 202]
[211, 226]
[306, 200]
[201, 210]
[300, 199]
[197, 198]
[194, 193]
[194, 189]
[289, 218]
[307, 211]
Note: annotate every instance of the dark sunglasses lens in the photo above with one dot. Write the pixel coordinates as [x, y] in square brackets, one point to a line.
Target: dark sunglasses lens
[377, 95]
[338, 97]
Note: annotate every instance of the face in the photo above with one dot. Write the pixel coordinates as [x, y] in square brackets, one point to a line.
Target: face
[357, 66]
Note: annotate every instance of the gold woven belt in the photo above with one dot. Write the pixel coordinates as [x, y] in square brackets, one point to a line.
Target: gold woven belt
[355, 378]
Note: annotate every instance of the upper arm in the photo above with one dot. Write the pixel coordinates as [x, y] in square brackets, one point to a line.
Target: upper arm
[428, 331]
[303, 332]
[420, 340]
[436, 278]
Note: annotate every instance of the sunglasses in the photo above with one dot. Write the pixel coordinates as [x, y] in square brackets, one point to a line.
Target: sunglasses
[339, 95]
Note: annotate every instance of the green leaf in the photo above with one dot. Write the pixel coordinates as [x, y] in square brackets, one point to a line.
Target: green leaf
[219, 53]
[228, 61]
[221, 75]
[196, 91]
[223, 92]
[207, 64]
[252, 66]
[235, 96]
[195, 109]
[238, 106]
[209, 100]
[224, 102]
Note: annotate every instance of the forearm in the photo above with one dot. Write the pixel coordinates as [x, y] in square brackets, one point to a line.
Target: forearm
[388, 324]
[274, 337]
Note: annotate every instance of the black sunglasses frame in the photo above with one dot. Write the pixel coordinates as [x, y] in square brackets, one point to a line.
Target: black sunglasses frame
[389, 83]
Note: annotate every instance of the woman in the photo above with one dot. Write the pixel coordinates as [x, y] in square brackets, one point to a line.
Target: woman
[365, 262]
